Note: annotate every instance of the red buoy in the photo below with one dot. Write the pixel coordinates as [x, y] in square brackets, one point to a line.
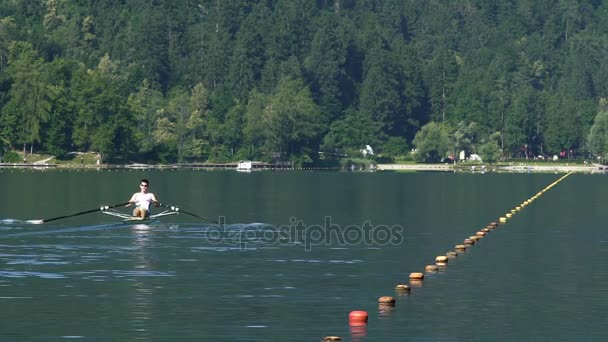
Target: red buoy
[357, 318]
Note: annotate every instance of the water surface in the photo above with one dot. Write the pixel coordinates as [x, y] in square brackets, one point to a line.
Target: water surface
[542, 276]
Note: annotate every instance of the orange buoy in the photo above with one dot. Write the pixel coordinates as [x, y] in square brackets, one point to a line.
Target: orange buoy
[416, 276]
[485, 230]
[431, 268]
[331, 339]
[460, 247]
[386, 300]
[357, 317]
[474, 238]
[480, 233]
[493, 224]
[469, 242]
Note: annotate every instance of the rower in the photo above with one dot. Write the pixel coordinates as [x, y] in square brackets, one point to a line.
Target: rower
[142, 200]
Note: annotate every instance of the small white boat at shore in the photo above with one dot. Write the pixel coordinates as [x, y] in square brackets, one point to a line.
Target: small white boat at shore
[244, 166]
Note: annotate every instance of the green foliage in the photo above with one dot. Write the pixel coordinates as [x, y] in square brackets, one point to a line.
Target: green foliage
[598, 134]
[11, 157]
[291, 119]
[10, 124]
[222, 80]
[29, 90]
[354, 131]
[432, 143]
[490, 152]
[395, 147]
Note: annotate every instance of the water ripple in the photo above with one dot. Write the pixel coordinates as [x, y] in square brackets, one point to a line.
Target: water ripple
[25, 274]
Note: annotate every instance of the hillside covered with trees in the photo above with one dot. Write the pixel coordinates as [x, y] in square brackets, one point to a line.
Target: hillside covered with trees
[220, 80]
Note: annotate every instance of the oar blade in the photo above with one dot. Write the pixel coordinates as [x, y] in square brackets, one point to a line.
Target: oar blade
[35, 221]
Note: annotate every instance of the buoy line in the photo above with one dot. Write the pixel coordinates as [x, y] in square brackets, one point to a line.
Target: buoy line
[416, 279]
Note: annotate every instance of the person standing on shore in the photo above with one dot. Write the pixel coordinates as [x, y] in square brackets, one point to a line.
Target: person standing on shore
[142, 200]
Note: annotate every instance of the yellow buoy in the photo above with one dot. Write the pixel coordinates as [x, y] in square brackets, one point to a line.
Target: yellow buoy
[451, 254]
[502, 220]
[402, 288]
[469, 242]
[460, 247]
[331, 339]
[431, 268]
[416, 275]
[441, 259]
[386, 300]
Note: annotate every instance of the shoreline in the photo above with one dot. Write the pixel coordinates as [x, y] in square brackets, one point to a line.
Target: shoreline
[589, 168]
[522, 168]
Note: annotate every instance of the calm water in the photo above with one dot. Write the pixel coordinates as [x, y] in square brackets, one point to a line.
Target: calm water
[262, 276]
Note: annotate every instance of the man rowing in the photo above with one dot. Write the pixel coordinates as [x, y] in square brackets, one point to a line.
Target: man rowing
[142, 200]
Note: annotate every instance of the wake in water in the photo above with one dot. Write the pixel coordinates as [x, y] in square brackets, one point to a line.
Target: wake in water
[67, 230]
[221, 231]
[11, 221]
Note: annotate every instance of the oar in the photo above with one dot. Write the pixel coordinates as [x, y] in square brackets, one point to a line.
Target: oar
[177, 209]
[77, 214]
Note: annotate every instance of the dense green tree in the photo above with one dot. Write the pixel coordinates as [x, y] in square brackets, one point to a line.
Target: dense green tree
[10, 122]
[58, 130]
[7, 32]
[597, 139]
[380, 95]
[441, 72]
[292, 118]
[232, 128]
[121, 76]
[255, 126]
[325, 64]
[29, 90]
[355, 130]
[489, 150]
[249, 55]
[144, 104]
[432, 143]
[290, 33]
[395, 147]
[97, 95]
[466, 137]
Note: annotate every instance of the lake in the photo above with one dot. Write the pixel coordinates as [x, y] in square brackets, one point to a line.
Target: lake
[296, 251]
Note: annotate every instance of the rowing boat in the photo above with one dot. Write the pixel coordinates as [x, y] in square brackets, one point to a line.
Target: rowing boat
[108, 210]
[133, 219]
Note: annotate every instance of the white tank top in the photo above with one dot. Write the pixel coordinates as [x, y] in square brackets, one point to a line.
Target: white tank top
[143, 200]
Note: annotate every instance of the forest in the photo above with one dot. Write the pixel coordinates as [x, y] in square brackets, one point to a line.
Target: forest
[170, 81]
